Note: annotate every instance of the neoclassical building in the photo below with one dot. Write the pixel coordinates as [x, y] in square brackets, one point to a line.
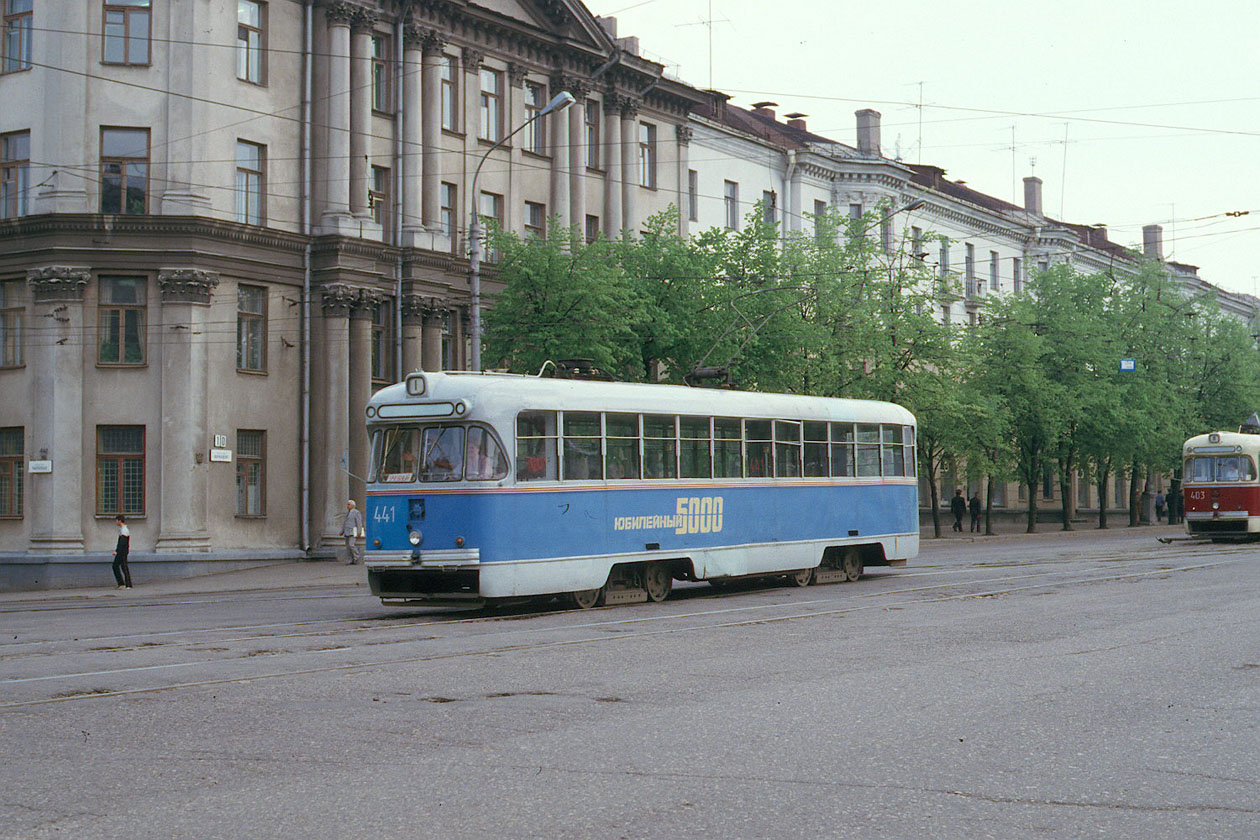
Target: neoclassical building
[222, 225]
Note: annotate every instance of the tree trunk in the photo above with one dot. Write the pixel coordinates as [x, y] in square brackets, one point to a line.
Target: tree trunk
[988, 507]
[1103, 472]
[1133, 495]
[1065, 493]
[936, 501]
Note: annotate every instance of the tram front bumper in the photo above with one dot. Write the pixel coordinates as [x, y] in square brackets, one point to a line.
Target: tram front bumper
[434, 576]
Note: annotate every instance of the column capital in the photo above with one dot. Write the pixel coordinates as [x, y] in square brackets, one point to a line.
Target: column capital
[52, 283]
[629, 106]
[685, 133]
[366, 301]
[516, 73]
[187, 285]
[338, 299]
[364, 19]
[612, 104]
[472, 58]
[414, 37]
[341, 13]
[434, 41]
[575, 85]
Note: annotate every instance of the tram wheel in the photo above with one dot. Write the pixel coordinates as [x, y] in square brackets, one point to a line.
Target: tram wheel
[587, 598]
[851, 564]
[657, 581]
[803, 577]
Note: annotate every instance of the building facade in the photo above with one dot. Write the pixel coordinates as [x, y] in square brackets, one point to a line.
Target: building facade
[223, 225]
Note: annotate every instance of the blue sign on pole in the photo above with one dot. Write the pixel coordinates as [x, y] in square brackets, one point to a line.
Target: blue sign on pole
[1128, 365]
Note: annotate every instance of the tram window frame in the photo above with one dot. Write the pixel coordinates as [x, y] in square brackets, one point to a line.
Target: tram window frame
[892, 450]
[582, 455]
[695, 447]
[758, 448]
[787, 449]
[536, 454]
[728, 447]
[439, 460]
[907, 445]
[1223, 463]
[489, 462]
[867, 458]
[814, 451]
[660, 448]
[622, 450]
[843, 449]
[1192, 470]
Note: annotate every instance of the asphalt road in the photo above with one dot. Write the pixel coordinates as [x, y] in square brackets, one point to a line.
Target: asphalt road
[1061, 685]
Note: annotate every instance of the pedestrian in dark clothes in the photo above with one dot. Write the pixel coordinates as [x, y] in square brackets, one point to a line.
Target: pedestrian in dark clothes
[958, 507]
[122, 573]
[975, 512]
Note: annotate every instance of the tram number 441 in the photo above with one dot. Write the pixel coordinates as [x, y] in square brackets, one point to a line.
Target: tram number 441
[698, 515]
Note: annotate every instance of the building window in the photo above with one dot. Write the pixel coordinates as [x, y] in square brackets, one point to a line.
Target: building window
[12, 314]
[15, 48]
[251, 328]
[994, 282]
[730, 196]
[250, 159]
[383, 343]
[126, 38]
[251, 473]
[381, 99]
[378, 197]
[768, 209]
[251, 20]
[647, 155]
[535, 136]
[944, 261]
[448, 212]
[535, 219]
[855, 212]
[124, 170]
[121, 320]
[11, 465]
[491, 105]
[592, 134]
[886, 233]
[592, 228]
[916, 243]
[119, 470]
[820, 219]
[15, 168]
[969, 269]
[450, 93]
[1017, 275]
[491, 211]
[693, 195]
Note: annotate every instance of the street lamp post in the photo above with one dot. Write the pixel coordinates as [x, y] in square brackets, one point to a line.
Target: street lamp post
[559, 102]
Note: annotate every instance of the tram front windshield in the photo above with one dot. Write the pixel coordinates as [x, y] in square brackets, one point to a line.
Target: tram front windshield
[446, 452]
[1220, 468]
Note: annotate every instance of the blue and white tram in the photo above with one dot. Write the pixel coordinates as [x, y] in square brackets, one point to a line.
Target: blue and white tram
[492, 486]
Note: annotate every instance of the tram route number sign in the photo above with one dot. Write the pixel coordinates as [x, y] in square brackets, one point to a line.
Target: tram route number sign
[1128, 365]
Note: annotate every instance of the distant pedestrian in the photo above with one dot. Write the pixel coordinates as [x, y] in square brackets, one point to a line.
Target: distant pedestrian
[122, 573]
[352, 529]
[958, 507]
[975, 511]
[1159, 506]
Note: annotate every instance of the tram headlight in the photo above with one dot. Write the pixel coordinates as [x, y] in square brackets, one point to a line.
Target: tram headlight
[1216, 505]
[414, 537]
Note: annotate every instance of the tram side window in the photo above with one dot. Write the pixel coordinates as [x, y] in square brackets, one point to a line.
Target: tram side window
[583, 460]
[621, 445]
[787, 449]
[484, 458]
[907, 440]
[842, 443]
[443, 449]
[1200, 469]
[660, 446]
[693, 435]
[894, 457]
[728, 440]
[536, 446]
[1235, 468]
[399, 446]
[868, 449]
[815, 449]
[758, 448]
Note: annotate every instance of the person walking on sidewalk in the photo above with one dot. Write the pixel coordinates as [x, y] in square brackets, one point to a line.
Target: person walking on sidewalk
[122, 572]
[958, 507]
[975, 511]
[352, 529]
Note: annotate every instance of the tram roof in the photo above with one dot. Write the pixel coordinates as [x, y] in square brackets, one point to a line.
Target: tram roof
[1210, 442]
[532, 392]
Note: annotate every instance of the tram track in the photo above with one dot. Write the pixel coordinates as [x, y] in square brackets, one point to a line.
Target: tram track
[515, 641]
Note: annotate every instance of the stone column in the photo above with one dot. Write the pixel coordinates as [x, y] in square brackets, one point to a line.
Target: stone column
[629, 164]
[431, 128]
[61, 146]
[332, 401]
[336, 217]
[360, 109]
[459, 333]
[513, 213]
[412, 334]
[612, 166]
[186, 192]
[576, 114]
[431, 337]
[55, 369]
[359, 389]
[684, 133]
[184, 357]
[413, 149]
[559, 142]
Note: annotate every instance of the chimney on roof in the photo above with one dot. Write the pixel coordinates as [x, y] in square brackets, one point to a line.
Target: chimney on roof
[609, 25]
[796, 120]
[1153, 241]
[765, 109]
[629, 44]
[868, 132]
[1032, 195]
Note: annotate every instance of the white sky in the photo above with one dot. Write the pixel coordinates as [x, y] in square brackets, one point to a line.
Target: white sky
[1158, 100]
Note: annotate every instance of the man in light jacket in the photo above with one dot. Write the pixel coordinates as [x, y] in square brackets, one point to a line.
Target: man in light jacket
[352, 529]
